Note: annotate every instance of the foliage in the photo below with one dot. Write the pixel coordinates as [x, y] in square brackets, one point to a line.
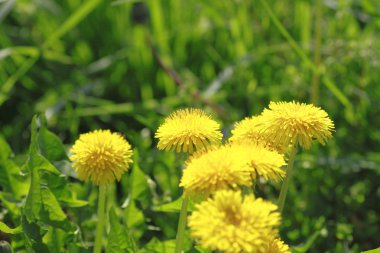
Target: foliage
[124, 65]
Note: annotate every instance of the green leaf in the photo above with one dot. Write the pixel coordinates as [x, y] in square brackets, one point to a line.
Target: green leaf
[138, 181]
[33, 204]
[139, 190]
[40, 200]
[201, 250]
[372, 251]
[133, 216]
[73, 202]
[32, 237]
[36, 163]
[5, 229]
[174, 206]
[10, 174]
[5, 149]
[55, 240]
[9, 203]
[158, 246]
[119, 239]
[33, 200]
[50, 145]
[51, 205]
[39, 162]
[33, 148]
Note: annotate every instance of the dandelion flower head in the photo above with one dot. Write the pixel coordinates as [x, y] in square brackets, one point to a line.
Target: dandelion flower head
[101, 156]
[218, 168]
[277, 246]
[292, 123]
[230, 223]
[246, 131]
[188, 130]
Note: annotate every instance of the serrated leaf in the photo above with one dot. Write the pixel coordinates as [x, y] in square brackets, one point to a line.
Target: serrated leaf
[32, 237]
[36, 163]
[51, 205]
[40, 199]
[33, 200]
[119, 239]
[50, 145]
[5, 229]
[41, 163]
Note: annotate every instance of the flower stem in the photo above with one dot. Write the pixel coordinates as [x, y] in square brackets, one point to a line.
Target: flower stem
[101, 212]
[181, 224]
[285, 184]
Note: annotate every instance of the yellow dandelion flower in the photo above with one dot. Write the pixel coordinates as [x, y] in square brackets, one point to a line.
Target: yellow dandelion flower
[292, 123]
[262, 161]
[229, 223]
[101, 156]
[246, 131]
[218, 168]
[188, 129]
[277, 246]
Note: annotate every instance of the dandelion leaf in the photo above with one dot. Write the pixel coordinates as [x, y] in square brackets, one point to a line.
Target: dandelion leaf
[119, 238]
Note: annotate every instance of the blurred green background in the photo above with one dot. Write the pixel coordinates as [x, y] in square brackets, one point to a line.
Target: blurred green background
[124, 65]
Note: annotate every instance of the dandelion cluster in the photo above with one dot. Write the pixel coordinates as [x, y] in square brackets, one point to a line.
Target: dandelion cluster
[230, 223]
[188, 130]
[101, 156]
[225, 220]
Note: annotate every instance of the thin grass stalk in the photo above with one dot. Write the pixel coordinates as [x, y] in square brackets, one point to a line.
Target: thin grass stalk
[309, 63]
[101, 219]
[285, 184]
[315, 81]
[181, 225]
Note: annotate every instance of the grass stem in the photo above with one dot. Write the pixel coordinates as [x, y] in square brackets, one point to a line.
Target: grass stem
[101, 219]
[317, 53]
[285, 184]
[309, 63]
[181, 225]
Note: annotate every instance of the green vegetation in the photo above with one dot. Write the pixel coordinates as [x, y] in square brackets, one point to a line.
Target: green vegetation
[124, 65]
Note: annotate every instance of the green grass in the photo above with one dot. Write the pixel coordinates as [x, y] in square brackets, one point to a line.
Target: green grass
[124, 65]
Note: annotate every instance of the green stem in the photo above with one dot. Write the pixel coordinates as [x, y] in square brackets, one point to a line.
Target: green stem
[101, 219]
[181, 225]
[285, 184]
[317, 53]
